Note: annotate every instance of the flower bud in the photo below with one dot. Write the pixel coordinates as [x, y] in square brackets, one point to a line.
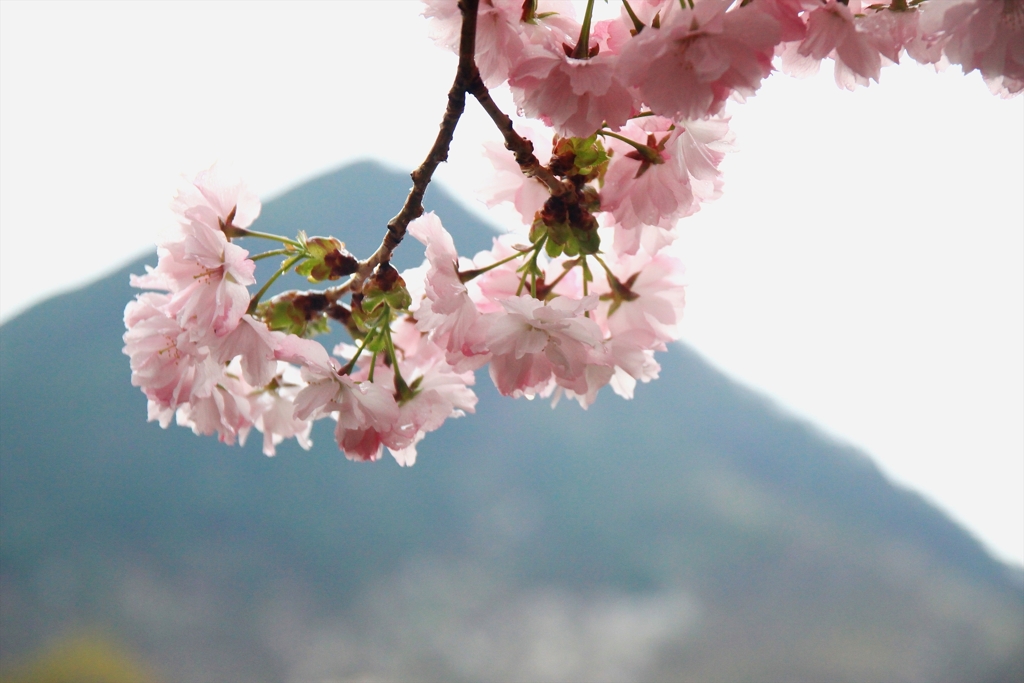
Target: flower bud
[328, 260]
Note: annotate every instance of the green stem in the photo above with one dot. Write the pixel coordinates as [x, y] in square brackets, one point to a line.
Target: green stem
[468, 275]
[373, 366]
[347, 368]
[637, 24]
[604, 265]
[650, 155]
[614, 282]
[530, 267]
[240, 232]
[522, 281]
[400, 386]
[639, 146]
[268, 254]
[586, 271]
[582, 50]
[587, 277]
[618, 289]
[285, 267]
[565, 271]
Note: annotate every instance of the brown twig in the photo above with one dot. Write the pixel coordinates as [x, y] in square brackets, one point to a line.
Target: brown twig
[515, 143]
[467, 80]
[465, 76]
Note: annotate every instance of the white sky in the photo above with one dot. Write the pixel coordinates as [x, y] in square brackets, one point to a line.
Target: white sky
[865, 267]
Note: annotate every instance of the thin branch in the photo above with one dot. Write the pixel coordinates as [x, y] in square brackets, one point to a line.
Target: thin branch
[467, 80]
[413, 207]
[335, 293]
[515, 143]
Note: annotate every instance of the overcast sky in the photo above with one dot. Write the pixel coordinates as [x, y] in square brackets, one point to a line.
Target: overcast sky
[865, 267]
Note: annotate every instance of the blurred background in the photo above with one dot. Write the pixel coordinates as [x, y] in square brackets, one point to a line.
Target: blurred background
[827, 482]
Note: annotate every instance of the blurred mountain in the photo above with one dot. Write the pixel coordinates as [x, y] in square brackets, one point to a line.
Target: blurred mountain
[696, 533]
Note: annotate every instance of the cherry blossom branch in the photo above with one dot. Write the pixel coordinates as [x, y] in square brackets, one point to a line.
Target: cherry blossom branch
[515, 143]
[335, 293]
[467, 80]
[465, 76]
[209, 356]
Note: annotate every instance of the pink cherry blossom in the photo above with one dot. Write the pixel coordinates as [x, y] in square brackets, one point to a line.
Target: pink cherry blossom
[499, 41]
[166, 363]
[788, 15]
[687, 68]
[501, 282]
[547, 327]
[433, 392]
[256, 345]
[207, 273]
[441, 393]
[535, 341]
[359, 442]
[307, 354]
[575, 96]
[438, 391]
[646, 11]
[612, 34]
[363, 410]
[632, 354]
[636, 320]
[213, 197]
[832, 32]
[225, 410]
[988, 35]
[684, 172]
[637, 191]
[364, 417]
[217, 298]
[273, 411]
[500, 31]
[596, 374]
[657, 284]
[366, 413]
[893, 31]
[325, 387]
[447, 312]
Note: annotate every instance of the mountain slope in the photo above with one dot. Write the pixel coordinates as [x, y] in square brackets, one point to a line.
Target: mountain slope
[695, 533]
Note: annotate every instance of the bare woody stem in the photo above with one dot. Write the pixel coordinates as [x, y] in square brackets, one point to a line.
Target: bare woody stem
[515, 143]
[465, 76]
[467, 80]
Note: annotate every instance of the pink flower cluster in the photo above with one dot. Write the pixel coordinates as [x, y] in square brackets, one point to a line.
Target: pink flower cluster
[560, 335]
[653, 81]
[683, 59]
[647, 90]
[200, 354]
[582, 297]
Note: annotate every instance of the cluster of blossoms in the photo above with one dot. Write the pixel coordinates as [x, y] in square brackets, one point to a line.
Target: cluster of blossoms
[204, 350]
[684, 58]
[583, 293]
